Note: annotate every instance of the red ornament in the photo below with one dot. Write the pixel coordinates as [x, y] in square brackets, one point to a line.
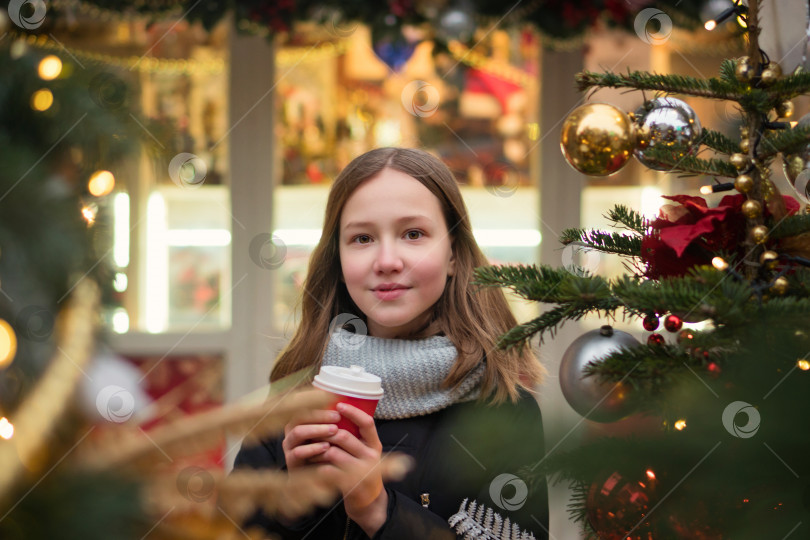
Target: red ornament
[618, 504]
[690, 233]
[673, 323]
[713, 369]
[655, 339]
[650, 322]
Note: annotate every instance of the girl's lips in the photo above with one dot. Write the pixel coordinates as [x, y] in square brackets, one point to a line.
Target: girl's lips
[389, 294]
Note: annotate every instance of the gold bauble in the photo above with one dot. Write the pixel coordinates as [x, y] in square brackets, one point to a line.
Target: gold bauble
[743, 70]
[751, 209]
[597, 139]
[740, 161]
[745, 145]
[769, 259]
[769, 75]
[793, 165]
[759, 234]
[744, 183]
[780, 285]
[784, 109]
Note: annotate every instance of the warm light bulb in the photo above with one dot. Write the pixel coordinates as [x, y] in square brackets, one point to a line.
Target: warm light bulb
[650, 474]
[742, 21]
[710, 25]
[8, 344]
[706, 190]
[6, 428]
[680, 425]
[89, 214]
[41, 100]
[50, 67]
[719, 263]
[803, 365]
[101, 183]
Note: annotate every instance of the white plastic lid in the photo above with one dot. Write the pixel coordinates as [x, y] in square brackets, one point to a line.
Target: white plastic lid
[352, 381]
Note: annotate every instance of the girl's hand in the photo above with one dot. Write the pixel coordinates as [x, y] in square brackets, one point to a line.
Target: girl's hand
[354, 466]
[304, 437]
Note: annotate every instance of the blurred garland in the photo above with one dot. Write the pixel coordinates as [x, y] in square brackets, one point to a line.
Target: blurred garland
[561, 22]
[141, 64]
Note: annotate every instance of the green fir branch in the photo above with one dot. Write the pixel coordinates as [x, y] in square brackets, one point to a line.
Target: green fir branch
[728, 72]
[678, 84]
[606, 242]
[652, 369]
[631, 219]
[689, 165]
[539, 283]
[719, 142]
[784, 141]
[705, 292]
[791, 226]
[790, 86]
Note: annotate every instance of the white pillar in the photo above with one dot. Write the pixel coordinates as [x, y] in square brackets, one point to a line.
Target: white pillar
[560, 191]
[250, 141]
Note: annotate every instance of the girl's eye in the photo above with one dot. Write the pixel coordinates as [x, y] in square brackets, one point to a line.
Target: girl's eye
[414, 235]
[362, 239]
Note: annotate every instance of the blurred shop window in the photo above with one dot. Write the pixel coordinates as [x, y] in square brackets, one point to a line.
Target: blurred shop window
[169, 217]
[475, 108]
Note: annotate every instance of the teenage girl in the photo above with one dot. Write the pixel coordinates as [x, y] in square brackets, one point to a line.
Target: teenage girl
[397, 254]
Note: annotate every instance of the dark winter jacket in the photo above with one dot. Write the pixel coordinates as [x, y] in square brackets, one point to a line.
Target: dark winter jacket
[468, 450]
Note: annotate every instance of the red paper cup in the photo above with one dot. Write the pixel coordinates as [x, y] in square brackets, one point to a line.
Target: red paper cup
[352, 385]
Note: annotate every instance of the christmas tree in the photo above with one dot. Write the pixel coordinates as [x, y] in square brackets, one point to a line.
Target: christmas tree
[729, 456]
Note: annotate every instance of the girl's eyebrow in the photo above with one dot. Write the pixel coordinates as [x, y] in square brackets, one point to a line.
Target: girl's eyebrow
[399, 221]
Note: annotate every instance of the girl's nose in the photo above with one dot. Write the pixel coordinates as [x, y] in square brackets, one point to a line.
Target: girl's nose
[388, 258]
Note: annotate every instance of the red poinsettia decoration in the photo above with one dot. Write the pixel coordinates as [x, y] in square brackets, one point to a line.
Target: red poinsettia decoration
[691, 233]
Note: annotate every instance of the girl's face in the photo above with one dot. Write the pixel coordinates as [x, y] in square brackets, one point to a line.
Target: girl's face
[395, 252]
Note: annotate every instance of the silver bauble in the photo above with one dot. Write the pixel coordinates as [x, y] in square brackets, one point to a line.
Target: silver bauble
[672, 125]
[590, 397]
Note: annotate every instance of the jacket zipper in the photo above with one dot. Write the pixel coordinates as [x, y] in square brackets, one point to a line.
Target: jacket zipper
[346, 532]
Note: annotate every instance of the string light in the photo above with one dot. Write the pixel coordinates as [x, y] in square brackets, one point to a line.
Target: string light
[49, 67]
[650, 474]
[6, 428]
[101, 183]
[41, 100]
[720, 263]
[716, 188]
[8, 344]
[89, 213]
[680, 425]
[803, 365]
[711, 24]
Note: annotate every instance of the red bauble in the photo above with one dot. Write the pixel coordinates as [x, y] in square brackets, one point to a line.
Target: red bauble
[618, 504]
[650, 322]
[655, 339]
[673, 323]
[713, 369]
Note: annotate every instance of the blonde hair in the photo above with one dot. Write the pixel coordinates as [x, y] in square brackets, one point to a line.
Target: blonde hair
[471, 319]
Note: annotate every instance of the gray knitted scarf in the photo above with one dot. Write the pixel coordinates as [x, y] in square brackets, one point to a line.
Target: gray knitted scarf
[412, 371]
